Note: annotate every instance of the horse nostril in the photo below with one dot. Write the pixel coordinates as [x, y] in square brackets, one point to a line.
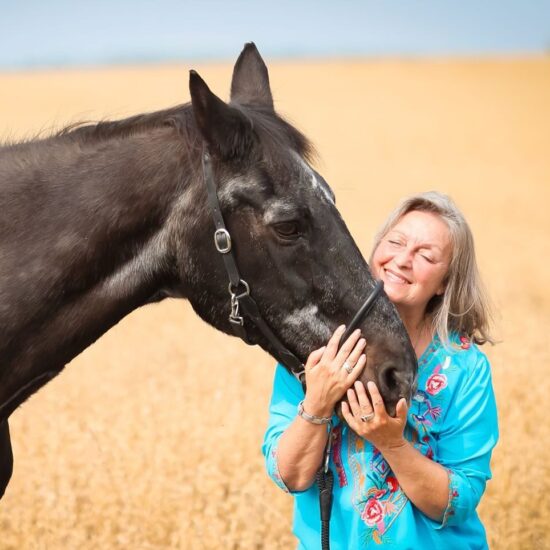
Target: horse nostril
[389, 380]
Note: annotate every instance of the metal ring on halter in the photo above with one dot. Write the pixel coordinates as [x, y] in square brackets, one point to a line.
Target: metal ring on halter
[246, 289]
[348, 368]
[367, 417]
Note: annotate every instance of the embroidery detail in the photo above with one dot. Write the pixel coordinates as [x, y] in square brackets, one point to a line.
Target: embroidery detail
[465, 342]
[435, 383]
[427, 413]
[373, 514]
[337, 455]
[273, 470]
[453, 495]
[376, 495]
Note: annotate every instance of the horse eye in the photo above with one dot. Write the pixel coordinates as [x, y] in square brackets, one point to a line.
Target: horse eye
[287, 230]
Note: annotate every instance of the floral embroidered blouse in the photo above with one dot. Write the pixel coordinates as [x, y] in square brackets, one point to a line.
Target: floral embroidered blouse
[452, 419]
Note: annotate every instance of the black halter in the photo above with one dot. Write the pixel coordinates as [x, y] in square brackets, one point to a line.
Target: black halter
[242, 303]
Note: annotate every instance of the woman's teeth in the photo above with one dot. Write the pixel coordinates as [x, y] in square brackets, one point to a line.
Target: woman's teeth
[395, 278]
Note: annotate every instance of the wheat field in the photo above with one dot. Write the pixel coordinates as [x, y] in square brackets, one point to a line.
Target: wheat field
[151, 438]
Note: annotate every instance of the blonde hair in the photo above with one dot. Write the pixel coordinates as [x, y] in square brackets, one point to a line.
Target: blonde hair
[464, 306]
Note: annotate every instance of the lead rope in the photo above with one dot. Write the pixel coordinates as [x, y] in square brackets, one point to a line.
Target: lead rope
[325, 482]
[325, 477]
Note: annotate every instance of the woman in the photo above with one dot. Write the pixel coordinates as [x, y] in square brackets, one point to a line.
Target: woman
[413, 481]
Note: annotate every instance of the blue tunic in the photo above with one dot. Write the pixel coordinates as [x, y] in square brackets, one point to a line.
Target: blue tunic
[452, 419]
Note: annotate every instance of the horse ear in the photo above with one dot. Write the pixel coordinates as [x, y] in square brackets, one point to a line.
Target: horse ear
[250, 83]
[226, 130]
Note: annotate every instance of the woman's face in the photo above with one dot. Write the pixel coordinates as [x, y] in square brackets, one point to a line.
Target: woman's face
[413, 259]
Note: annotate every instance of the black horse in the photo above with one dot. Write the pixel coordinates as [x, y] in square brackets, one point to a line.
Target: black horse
[101, 219]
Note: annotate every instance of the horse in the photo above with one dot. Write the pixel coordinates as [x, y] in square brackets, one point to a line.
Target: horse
[100, 219]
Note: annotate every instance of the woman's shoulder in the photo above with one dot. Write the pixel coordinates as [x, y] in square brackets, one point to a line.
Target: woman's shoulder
[448, 374]
[446, 366]
[462, 353]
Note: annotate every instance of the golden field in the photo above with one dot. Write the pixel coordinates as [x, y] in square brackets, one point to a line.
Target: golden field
[151, 438]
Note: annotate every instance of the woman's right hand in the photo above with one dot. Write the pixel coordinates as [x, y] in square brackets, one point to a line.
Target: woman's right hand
[327, 379]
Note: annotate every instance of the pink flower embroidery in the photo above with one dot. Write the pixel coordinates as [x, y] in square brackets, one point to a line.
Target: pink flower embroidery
[392, 483]
[435, 383]
[373, 512]
[464, 342]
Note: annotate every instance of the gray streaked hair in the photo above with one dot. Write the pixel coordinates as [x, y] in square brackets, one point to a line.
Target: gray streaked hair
[464, 307]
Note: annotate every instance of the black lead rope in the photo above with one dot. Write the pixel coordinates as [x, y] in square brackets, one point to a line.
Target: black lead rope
[325, 482]
[239, 292]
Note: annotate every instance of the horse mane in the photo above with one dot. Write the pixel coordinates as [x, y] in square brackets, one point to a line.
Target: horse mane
[273, 130]
[87, 131]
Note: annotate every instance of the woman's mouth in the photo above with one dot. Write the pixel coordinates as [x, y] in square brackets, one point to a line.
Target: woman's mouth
[393, 277]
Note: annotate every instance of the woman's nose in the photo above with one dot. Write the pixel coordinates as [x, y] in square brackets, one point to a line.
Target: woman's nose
[403, 258]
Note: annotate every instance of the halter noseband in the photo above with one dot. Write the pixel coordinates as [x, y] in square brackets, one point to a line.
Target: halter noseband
[242, 303]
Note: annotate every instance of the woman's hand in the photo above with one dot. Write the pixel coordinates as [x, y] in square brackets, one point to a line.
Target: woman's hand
[369, 419]
[329, 372]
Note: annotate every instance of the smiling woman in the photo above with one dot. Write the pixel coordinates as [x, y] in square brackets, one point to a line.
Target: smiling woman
[413, 481]
[428, 246]
[413, 260]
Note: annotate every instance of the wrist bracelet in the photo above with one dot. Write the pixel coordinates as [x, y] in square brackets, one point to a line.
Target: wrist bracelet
[312, 418]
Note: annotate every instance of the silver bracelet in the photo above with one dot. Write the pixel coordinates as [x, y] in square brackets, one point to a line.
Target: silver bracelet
[312, 418]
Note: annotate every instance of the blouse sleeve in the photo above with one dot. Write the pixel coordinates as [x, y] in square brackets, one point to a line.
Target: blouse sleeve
[466, 442]
[287, 393]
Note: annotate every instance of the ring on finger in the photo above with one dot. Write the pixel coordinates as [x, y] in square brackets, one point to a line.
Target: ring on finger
[367, 417]
[347, 367]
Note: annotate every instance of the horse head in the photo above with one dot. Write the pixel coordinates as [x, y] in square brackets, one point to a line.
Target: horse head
[290, 243]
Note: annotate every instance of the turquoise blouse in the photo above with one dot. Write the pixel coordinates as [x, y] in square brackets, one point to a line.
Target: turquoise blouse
[452, 419]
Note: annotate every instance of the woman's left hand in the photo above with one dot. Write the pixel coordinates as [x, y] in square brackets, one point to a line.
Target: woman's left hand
[369, 419]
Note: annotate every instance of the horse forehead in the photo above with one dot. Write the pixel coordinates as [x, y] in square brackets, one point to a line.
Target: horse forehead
[318, 185]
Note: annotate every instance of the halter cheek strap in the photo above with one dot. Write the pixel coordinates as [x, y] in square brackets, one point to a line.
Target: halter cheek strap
[242, 303]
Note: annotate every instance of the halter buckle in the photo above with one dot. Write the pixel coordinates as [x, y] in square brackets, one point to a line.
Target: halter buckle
[222, 240]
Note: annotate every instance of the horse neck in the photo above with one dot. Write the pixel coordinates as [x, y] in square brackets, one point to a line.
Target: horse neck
[100, 248]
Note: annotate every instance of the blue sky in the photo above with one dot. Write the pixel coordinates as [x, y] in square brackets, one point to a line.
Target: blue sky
[45, 33]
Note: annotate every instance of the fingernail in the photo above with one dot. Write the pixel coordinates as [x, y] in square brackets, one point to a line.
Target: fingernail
[342, 327]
